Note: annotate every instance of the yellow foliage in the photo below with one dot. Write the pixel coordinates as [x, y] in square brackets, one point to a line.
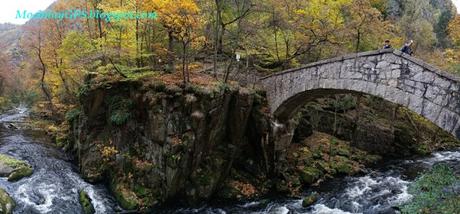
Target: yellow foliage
[108, 152]
[454, 30]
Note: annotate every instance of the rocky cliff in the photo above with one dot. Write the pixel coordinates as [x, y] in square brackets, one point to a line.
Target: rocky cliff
[154, 142]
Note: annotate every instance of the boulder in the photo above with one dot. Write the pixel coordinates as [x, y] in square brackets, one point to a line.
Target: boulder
[7, 204]
[310, 200]
[13, 168]
[85, 202]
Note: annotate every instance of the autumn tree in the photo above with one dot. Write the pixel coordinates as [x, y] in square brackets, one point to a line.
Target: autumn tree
[454, 30]
[365, 25]
[182, 20]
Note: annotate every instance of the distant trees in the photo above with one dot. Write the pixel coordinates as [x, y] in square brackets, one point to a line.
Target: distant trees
[269, 35]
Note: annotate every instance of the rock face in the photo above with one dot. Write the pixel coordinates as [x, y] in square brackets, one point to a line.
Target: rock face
[388, 74]
[153, 142]
[374, 125]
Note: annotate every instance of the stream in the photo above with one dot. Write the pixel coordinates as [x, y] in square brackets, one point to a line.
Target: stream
[55, 182]
[379, 191]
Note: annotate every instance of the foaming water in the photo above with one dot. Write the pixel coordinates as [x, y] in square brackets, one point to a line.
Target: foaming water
[55, 184]
[379, 191]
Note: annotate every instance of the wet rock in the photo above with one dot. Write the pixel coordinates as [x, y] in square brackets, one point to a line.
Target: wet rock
[5, 170]
[127, 199]
[7, 204]
[19, 173]
[14, 169]
[12, 126]
[85, 201]
[310, 200]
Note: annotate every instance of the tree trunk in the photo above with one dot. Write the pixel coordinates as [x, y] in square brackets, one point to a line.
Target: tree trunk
[184, 62]
[216, 37]
[171, 66]
[43, 68]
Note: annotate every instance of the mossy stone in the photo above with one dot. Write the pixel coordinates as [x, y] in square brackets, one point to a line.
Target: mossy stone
[310, 200]
[127, 199]
[20, 173]
[7, 204]
[309, 175]
[85, 202]
[20, 168]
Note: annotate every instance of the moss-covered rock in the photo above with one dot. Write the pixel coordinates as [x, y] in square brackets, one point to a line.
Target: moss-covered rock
[321, 156]
[127, 198]
[85, 202]
[7, 204]
[13, 168]
[19, 173]
[310, 174]
[375, 126]
[310, 200]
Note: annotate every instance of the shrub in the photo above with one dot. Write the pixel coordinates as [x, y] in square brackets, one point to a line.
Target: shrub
[120, 110]
[344, 103]
[72, 114]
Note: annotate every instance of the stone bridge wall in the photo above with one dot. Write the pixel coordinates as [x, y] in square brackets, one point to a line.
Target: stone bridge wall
[389, 74]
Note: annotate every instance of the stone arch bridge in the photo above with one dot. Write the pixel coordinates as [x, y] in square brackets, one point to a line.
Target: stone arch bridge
[388, 73]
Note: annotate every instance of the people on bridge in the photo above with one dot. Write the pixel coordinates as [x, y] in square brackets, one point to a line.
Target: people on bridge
[387, 44]
[407, 48]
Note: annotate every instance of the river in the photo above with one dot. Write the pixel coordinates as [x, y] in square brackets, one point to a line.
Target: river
[377, 191]
[55, 183]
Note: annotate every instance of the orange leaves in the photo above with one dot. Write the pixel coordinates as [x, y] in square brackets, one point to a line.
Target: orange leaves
[179, 16]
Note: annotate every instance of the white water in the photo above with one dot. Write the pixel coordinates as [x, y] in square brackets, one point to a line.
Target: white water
[378, 191]
[55, 184]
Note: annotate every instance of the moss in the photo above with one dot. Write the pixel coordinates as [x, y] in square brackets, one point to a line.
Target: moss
[310, 200]
[85, 202]
[6, 202]
[12, 162]
[20, 168]
[19, 173]
[309, 175]
[342, 151]
[127, 199]
[344, 168]
[431, 193]
[141, 191]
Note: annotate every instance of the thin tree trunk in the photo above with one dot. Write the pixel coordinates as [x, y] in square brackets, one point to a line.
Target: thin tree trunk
[171, 66]
[216, 37]
[184, 74]
[43, 68]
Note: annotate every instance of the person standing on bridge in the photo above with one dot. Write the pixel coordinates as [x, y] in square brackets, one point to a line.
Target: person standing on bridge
[407, 48]
[387, 44]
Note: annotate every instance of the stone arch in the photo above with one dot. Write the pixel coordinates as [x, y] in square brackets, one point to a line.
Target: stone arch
[389, 74]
